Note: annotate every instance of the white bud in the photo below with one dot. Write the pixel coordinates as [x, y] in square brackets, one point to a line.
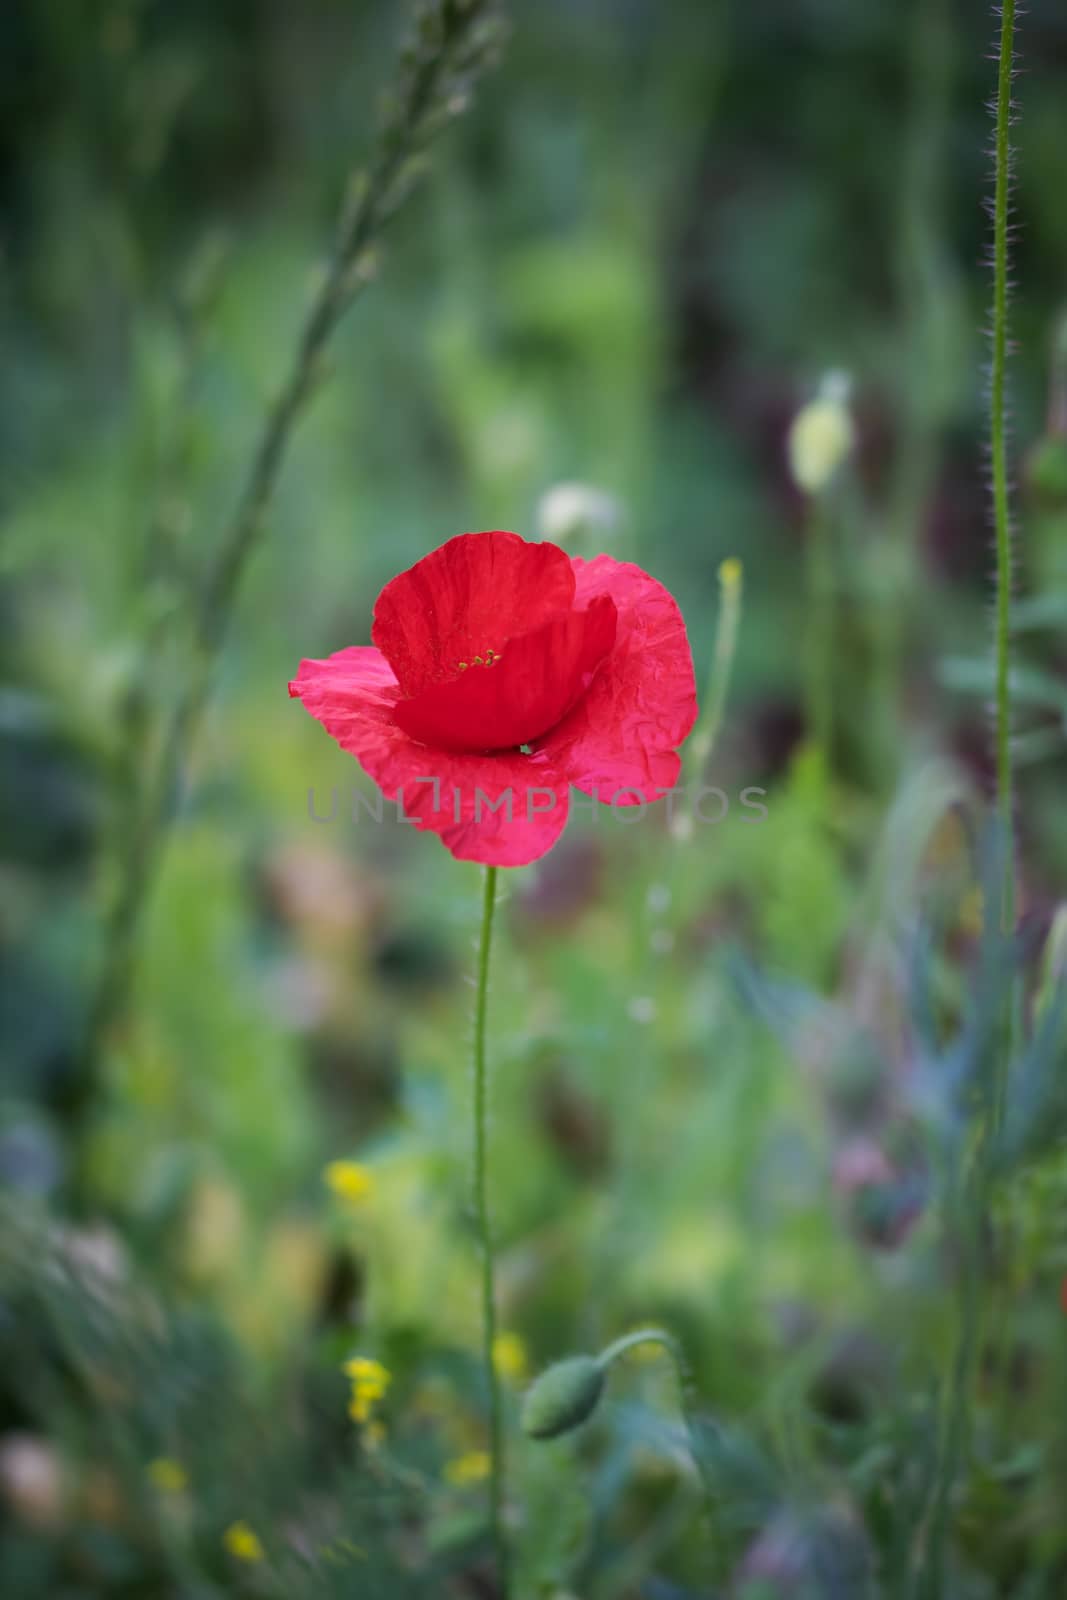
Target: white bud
[822, 435]
[568, 509]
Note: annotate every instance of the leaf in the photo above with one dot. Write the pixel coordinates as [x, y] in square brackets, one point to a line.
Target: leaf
[1037, 1109]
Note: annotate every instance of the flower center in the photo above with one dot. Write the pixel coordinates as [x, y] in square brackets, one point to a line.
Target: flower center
[490, 659]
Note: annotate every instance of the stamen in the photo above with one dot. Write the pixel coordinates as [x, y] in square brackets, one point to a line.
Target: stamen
[490, 659]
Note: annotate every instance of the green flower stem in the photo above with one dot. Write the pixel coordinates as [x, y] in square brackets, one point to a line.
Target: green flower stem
[702, 744]
[970, 1343]
[820, 641]
[1005, 797]
[485, 1234]
[687, 1399]
[973, 1195]
[998, 446]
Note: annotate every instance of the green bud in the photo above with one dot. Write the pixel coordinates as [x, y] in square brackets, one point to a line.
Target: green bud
[563, 1397]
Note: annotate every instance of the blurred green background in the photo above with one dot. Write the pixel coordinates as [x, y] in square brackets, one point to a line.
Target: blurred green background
[655, 231]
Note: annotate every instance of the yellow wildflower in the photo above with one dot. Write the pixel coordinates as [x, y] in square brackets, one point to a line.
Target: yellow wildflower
[350, 1181]
[168, 1476]
[509, 1357]
[241, 1542]
[469, 1468]
[370, 1380]
[368, 1374]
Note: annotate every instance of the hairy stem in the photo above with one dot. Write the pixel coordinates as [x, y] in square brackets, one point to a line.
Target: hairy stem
[485, 1233]
[998, 449]
[973, 1196]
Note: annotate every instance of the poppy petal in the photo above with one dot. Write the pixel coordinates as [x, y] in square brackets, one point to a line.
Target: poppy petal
[471, 595]
[513, 700]
[503, 810]
[622, 736]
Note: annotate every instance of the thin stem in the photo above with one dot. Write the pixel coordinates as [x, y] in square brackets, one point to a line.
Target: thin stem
[446, 45]
[820, 684]
[1006, 911]
[702, 744]
[973, 1195]
[998, 447]
[955, 1426]
[485, 1234]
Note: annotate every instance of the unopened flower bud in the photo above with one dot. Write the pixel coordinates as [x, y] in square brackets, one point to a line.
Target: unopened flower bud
[563, 1397]
[822, 436]
[569, 509]
[731, 573]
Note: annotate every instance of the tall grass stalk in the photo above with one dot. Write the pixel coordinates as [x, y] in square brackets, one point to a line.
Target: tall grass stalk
[999, 457]
[449, 42]
[485, 1233]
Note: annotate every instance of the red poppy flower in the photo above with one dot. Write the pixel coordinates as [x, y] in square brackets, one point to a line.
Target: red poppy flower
[501, 674]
